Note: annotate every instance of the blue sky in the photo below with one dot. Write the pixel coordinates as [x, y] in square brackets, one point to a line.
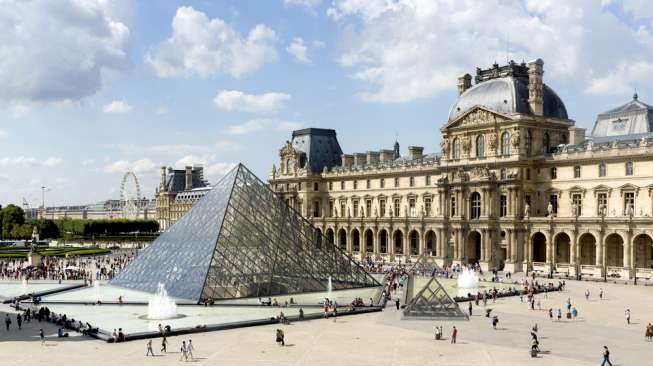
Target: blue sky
[92, 88]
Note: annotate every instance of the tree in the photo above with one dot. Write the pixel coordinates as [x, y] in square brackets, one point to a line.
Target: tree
[11, 216]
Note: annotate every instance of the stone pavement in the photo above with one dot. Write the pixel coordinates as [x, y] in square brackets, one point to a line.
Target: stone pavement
[384, 339]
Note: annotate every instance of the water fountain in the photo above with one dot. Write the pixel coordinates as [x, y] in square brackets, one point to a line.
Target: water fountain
[329, 289]
[96, 290]
[160, 306]
[23, 287]
[467, 279]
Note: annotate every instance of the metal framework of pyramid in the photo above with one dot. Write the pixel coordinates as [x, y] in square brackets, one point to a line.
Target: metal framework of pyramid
[424, 266]
[241, 240]
[433, 302]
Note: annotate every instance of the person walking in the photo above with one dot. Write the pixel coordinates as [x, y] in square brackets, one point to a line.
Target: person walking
[587, 294]
[454, 334]
[470, 308]
[184, 351]
[164, 345]
[550, 313]
[627, 313]
[42, 336]
[19, 320]
[7, 321]
[606, 356]
[397, 303]
[190, 349]
[149, 349]
[559, 314]
[495, 321]
[335, 313]
[601, 294]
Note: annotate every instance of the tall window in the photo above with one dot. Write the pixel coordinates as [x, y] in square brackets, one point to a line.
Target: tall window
[629, 203]
[528, 173]
[601, 169]
[330, 208]
[411, 207]
[529, 142]
[355, 208]
[382, 208]
[505, 143]
[330, 186]
[577, 203]
[554, 173]
[453, 206]
[368, 184]
[316, 186]
[396, 182]
[504, 173]
[480, 146]
[602, 203]
[411, 181]
[629, 168]
[546, 143]
[503, 205]
[355, 184]
[476, 206]
[427, 180]
[397, 207]
[553, 199]
[382, 183]
[342, 185]
[343, 207]
[577, 171]
[368, 208]
[316, 209]
[427, 206]
[455, 148]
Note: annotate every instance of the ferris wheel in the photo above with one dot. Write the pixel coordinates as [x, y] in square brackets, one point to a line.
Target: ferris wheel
[130, 196]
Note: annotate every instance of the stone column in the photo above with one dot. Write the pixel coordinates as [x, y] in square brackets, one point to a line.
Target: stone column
[509, 203]
[484, 203]
[627, 251]
[572, 250]
[391, 241]
[599, 251]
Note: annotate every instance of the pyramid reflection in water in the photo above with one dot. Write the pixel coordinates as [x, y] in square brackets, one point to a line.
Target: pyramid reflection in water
[240, 240]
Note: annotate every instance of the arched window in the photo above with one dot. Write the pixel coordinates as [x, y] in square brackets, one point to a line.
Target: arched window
[546, 143]
[480, 146]
[455, 149]
[476, 206]
[505, 143]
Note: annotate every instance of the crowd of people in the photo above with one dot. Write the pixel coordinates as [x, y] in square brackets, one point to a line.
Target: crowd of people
[98, 267]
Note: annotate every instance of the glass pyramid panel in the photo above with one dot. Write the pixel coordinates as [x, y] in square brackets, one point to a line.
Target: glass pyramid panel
[424, 266]
[240, 240]
[433, 302]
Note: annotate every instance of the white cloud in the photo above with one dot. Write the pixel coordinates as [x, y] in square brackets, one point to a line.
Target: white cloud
[29, 161]
[409, 49]
[239, 101]
[623, 80]
[208, 47]
[117, 106]
[217, 170]
[310, 5]
[137, 166]
[58, 50]
[298, 49]
[254, 125]
[52, 161]
[212, 168]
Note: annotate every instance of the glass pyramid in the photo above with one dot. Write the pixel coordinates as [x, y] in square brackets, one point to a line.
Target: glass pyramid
[433, 302]
[240, 240]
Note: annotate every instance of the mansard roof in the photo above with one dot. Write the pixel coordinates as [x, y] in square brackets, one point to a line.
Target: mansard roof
[632, 120]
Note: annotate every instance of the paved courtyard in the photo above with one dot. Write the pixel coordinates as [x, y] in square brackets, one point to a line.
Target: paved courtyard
[383, 339]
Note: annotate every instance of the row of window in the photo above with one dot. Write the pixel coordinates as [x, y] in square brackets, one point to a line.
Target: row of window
[356, 208]
[628, 170]
[601, 203]
[505, 144]
[368, 183]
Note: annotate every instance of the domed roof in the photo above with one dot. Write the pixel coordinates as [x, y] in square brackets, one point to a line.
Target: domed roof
[506, 95]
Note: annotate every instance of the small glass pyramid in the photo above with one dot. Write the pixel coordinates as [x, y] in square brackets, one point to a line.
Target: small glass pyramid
[240, 240]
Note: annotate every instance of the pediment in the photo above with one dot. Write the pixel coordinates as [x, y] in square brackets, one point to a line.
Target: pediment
[476, 116]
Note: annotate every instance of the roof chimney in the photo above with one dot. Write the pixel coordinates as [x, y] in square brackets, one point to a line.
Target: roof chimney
[464, 83]
[415, 152]
[396, 155]
[163, 178]
[189, 178]
[536, 86]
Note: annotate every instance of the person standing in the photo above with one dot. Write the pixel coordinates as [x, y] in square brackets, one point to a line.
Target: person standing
[335, 313]
[470, 308]
[606, 356]
[42, 336]
[149, 349]
[7, 321]
[627, 313]
[601, 294]
[559, 314]
[19, 320]
[454, 334]
[587, 294]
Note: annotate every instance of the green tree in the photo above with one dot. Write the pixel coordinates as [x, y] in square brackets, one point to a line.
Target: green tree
[11, 215]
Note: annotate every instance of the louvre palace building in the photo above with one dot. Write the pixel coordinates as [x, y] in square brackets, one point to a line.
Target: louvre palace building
[515, 186]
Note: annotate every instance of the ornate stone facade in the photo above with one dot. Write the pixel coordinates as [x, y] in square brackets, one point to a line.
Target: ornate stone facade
[515, 186]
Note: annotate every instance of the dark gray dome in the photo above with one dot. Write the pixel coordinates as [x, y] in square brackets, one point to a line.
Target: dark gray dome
[506, 95]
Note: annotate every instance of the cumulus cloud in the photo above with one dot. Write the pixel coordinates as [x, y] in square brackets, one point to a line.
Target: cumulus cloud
[254, 125]
[213, 169]
[29, 161]
[117, 106]
[217, 170]
[298, 49]
[58, 50]
[409, 49]
[138, 166]
[208, 47]
[239, 101]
